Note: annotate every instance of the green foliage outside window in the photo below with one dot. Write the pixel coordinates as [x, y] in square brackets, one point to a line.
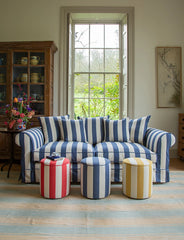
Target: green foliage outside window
[98, 100]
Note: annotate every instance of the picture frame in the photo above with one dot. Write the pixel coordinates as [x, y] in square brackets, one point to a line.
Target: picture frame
[169, 84]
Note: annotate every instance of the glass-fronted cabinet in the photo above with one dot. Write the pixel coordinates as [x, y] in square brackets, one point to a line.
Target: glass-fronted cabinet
[29, 78]
[26, 71]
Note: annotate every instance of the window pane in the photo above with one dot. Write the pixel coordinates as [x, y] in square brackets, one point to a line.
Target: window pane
[81, 88]
[112, 108]
[112, 60]
[96, 60]
[112, 36]
[96, 36]
[112, 85]
[96, 107]
[81, 60]
[96, 86]
[81, 36]
[80, 108]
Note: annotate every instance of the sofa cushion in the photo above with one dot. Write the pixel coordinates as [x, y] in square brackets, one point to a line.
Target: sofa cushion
[73, 130]
[137, 129]
[94, 129]
[51, 128]
[117, 130]
[117, 151]
[74, 151]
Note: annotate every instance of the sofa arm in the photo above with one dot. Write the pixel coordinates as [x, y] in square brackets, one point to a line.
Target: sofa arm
[29, 140]
[160, 142]
[33, 135]
[155, 138]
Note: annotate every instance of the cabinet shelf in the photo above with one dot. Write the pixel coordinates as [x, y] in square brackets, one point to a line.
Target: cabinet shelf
[37, 66]
[26, 65]
[39, 83]
[19, 83]
[20, 65]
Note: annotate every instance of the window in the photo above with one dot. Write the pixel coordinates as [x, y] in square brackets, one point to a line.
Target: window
[97, 80]
[96, 70]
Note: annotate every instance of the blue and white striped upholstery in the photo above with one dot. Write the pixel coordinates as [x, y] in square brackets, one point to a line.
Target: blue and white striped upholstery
[117, 130]
[51, 128]
[29, 140]
[160, 142]
[156, 148]
[137, 128]
[74, 151]
[94, 129]
[73, 130]
[95, 177]
[117, 151]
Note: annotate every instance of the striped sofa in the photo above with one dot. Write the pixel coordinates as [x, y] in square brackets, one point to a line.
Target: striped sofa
[88, 137]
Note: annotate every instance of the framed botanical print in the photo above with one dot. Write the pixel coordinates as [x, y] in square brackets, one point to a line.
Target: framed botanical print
[168, 65]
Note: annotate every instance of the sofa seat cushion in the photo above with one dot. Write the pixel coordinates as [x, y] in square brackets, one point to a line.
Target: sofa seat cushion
[74, 151]
[117, 151]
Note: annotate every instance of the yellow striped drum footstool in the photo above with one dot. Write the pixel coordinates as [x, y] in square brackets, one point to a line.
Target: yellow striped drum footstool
[137, 178]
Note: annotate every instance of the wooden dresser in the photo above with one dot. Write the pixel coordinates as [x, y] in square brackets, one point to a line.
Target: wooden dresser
[181, 136]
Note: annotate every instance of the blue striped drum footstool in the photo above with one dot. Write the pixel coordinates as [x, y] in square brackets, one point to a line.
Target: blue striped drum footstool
[54, 178]
[95, 177]
[137, 178]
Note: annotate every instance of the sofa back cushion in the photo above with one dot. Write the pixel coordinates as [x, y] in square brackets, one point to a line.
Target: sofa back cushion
[73, 130]
[51, 128]
[117, 130]
[137, 129]
[94, 129]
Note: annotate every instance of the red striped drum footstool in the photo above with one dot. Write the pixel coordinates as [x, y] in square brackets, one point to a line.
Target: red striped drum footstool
[137, 178]
[54, 178]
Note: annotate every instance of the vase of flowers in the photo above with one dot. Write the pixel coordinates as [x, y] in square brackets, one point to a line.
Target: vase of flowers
[18, 115]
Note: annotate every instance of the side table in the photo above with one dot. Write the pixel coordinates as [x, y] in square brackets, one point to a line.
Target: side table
[11, 160]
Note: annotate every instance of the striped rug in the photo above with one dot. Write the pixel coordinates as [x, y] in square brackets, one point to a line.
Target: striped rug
[24, 214]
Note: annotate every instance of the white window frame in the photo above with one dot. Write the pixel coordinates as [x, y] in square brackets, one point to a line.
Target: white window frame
[64, 102]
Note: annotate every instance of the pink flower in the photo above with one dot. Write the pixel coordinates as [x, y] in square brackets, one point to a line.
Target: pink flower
[17, 113]
[6, 111]
[30, 114]
[6, 123]
[14, 112]
[11, 123]
[19, 120]
[22, 115]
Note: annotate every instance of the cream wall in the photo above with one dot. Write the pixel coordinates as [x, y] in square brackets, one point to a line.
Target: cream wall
[157, 23]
